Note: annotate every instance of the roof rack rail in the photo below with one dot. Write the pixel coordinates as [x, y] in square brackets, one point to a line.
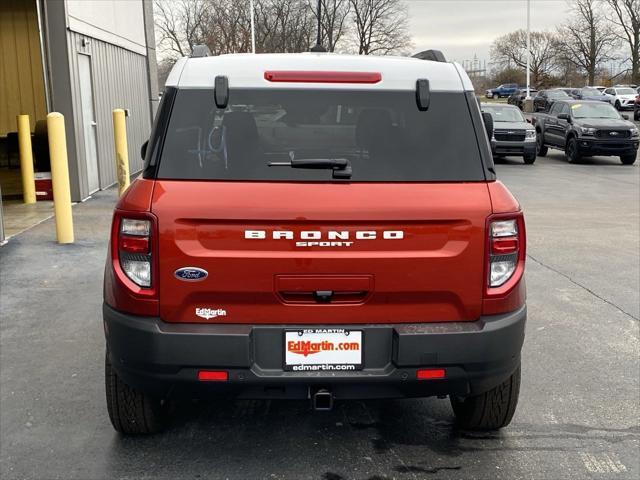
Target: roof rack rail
[433, 55]
[200, 51]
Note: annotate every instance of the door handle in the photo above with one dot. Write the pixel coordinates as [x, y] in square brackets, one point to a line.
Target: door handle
[93, 124]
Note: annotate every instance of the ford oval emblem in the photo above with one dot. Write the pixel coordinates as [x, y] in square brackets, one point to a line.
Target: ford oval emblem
[191, 274]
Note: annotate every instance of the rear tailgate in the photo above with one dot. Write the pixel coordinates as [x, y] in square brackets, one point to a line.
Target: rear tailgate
[332, 262]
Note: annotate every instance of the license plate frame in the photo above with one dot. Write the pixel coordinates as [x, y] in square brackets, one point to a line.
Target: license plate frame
[317, 364]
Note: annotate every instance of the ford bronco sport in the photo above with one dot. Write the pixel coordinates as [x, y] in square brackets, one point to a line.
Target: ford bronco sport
[316, 226]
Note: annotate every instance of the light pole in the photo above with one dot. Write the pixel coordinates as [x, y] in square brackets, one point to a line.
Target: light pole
[318, 46]
[253, 31]
[528, 49]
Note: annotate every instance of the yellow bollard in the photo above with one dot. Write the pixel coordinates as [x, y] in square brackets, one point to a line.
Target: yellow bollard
[122, 154]
[26, 159]
[60, 177]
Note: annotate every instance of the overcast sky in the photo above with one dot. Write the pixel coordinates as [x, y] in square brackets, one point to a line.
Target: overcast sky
[462, 28]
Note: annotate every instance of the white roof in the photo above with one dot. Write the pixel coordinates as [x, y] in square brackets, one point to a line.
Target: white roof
[246, 70]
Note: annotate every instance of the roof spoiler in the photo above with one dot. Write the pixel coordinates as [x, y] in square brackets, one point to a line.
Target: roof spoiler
[433, 55]
[200, 51]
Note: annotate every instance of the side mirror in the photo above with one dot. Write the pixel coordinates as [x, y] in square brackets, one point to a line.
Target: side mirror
[626, 117]
[488, 123]
[423, 94]
[143, 150]
[564, 116]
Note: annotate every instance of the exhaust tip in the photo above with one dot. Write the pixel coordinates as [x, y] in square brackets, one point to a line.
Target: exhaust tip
[322, 400]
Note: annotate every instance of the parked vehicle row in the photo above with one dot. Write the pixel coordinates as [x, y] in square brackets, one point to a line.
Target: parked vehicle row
[586, 128]
[622, 97]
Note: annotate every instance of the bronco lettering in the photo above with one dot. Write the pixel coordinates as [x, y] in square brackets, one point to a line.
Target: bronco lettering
[318, 235]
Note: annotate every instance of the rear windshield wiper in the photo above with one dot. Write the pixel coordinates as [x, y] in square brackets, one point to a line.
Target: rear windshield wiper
[341, 166]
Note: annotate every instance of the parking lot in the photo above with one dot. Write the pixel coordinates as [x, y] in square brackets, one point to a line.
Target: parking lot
[578, 413]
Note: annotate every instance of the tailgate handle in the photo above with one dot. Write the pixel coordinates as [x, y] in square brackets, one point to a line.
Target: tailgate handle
[323, 296]
[323, 289]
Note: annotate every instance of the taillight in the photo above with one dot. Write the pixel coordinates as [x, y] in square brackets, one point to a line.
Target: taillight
[134, 250]
[503, 252]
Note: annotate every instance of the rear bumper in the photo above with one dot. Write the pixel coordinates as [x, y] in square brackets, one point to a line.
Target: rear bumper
[163, 359]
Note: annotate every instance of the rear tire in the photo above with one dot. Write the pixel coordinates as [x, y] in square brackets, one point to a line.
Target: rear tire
[132, 412]
[529, 159]
[491, 410]
[628, 159]
[571, 151]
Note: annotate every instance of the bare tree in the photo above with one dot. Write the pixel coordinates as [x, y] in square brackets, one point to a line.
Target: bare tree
[228, 27]
[335, 14]
[181, 24]
[625, 15]
[587, 40]
[511, 50]
[381, 26]
[283, 26]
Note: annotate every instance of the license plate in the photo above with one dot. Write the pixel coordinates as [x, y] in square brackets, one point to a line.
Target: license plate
[323, 349]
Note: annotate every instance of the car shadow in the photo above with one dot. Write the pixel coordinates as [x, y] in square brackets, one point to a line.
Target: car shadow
[249, 436]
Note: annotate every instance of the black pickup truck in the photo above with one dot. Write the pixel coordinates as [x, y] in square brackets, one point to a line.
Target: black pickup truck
[586, 128]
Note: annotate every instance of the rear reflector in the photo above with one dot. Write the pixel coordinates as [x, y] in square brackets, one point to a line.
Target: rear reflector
[430, 373]
[212, 376]
[322, 77]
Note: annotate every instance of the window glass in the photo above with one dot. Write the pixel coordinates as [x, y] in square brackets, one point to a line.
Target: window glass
[504, 114]
[594, 110]
[381, 133]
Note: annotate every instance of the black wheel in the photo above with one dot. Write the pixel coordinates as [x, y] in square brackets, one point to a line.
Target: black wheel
[495, 95]
[571, 151]
[529, 158]
[628, 159]
[132, 412]
[636, 114]
[490, 410]
[618, 106]
[541, 148]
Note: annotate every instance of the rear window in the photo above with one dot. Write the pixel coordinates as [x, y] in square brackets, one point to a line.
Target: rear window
[382, 134]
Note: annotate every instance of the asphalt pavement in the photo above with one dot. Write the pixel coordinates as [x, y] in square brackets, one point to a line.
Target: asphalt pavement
[579, 410]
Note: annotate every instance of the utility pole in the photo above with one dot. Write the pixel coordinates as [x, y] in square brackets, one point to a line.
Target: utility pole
[318, 46]
[528, 49]
[253, 31]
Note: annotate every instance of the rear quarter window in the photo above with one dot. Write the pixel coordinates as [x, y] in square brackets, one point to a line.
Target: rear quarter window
[382, 133]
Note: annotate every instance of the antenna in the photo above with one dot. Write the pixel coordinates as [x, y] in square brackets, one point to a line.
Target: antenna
[318, 46]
